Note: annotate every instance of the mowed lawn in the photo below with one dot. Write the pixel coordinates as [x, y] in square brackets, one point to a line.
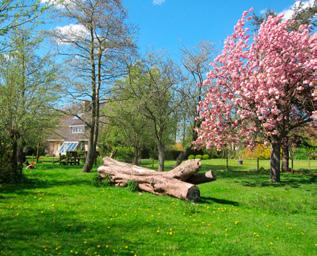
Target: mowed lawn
[60, 212]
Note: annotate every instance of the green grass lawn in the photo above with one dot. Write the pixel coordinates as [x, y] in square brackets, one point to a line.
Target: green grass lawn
[60, 212]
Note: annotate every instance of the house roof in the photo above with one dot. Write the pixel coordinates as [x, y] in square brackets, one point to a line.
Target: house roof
[63, 131]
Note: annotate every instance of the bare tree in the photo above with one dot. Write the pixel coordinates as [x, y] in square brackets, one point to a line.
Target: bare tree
[93, 47]
[196, 62]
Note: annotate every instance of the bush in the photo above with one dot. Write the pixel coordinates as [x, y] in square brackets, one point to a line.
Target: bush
[124, 154]
[198, 157]
[172, 154]
[132, 186]
[190, 157]
[98, 181]
[305, 153]
[205, 156]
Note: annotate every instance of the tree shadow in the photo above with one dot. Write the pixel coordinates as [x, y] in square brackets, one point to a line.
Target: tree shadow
[27, 185]
[67, 234]
[294, 182]
[209, 200]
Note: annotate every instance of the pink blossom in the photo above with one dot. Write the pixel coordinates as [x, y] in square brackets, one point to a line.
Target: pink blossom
[252, 84]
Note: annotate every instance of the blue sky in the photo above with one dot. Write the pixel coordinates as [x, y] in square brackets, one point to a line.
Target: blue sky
[172, 24]
[169, 25]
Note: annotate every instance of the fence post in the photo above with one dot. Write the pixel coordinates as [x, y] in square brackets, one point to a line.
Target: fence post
[227, 160]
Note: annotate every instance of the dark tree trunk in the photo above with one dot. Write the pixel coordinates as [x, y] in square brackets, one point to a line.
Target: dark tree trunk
[37, 152]
[161, 156]
[285, 154]
[275, 161]
[16, 170]
[183, 155]
[136, 156]
[90, 158]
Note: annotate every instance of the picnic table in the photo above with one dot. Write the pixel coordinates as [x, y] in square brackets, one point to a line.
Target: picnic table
[71, 158]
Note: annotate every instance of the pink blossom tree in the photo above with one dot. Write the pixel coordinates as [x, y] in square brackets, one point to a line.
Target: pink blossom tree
[260, 87]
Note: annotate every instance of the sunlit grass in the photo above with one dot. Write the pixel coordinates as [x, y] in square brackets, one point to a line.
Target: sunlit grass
[60, 212]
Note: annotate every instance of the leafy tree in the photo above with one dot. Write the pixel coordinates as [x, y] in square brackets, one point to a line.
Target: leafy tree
[261, 88]
[154, 87]
[28, 91]
[126, 125]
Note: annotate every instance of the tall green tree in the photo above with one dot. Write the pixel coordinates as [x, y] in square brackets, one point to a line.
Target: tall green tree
[125, 119]
[154, 85]
[28, 91]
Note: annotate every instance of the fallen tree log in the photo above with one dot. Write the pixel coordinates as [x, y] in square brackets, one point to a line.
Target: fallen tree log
[179, 182]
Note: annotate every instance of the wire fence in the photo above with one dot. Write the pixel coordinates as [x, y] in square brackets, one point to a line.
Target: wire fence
[256, 164]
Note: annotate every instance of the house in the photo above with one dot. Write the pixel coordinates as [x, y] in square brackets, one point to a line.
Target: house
[69, 135]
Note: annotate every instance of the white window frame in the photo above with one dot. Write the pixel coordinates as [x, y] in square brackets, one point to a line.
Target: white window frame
[77, 129]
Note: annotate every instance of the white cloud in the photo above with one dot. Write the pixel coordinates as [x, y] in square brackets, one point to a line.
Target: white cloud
[72, 32]
[288, 13]
[158, 2]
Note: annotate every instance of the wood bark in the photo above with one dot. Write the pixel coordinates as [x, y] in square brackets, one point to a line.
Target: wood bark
[179, 182]
[285, 154]
[275, 161]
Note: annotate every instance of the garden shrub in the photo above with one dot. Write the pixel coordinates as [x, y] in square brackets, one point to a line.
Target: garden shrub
[98, 181]
[132, 185]
[205, 157]
[190, 157]
[198, 157]
[124, 154]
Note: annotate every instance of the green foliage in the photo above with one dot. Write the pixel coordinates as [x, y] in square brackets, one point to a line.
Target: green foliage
[198, 157]
[98, 181]
[190, 157]
[27, 91]
[305, 153]
[124, 154]
[132, 185]
[205, 157]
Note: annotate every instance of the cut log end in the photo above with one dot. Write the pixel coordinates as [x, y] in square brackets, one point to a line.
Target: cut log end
[193, 194]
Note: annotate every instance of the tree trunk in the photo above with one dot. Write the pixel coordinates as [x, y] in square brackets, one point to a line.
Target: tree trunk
[136, 156]
[179, 182]
[16, 170]
[275, 161]
[161, 156]
[183, 155]
[285, 154]
[89, 162]
[90, 158]
[37, 153]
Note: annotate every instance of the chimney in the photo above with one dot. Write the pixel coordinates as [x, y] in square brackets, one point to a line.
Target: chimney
[86, 105]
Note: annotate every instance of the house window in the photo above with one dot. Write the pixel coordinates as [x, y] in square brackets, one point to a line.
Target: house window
[78, 129]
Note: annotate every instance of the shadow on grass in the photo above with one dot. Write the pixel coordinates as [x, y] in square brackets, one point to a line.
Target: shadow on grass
[46, 179]
[294, 182]
[56, 231]
[253, 178]
[205, 199]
